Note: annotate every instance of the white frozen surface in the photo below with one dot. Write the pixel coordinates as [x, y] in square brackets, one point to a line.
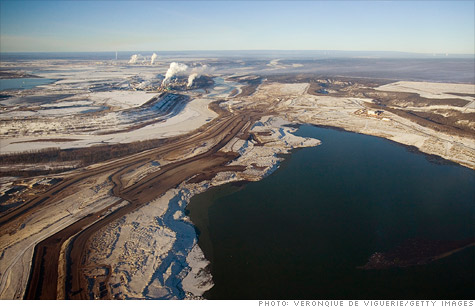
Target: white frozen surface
[121, 99]
[194, 115]
[153, 249]
[199, 279]
[431, 89]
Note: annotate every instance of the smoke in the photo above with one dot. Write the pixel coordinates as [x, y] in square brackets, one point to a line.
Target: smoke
[182, 69]
[133, 59]
[154, 56]
[191, 78]
[196, 72]
[175, 69]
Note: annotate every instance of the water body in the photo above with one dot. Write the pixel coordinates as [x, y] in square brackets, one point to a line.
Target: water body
[222, 87]
[303, 231]
[23, 83]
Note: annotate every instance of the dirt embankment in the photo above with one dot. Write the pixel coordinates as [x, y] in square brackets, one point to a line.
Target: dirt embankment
[250, 86]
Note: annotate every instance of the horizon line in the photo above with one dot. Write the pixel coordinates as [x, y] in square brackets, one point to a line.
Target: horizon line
[250, 50]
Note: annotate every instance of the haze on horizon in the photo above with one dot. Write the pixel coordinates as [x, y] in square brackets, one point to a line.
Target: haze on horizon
[75, 26]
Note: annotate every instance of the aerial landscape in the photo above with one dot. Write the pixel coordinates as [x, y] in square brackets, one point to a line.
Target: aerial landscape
[238, 161]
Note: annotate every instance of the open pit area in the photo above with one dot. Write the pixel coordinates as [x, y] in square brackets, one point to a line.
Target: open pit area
[97, 167]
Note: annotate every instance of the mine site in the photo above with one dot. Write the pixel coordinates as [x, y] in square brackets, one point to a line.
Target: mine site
[100, 158]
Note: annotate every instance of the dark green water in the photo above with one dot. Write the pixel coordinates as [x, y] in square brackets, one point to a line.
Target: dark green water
[302, 231]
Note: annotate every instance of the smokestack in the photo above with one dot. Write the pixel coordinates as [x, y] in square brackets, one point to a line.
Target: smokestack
[154, 56]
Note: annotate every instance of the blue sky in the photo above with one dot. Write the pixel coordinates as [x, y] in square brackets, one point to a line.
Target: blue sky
[410, 26]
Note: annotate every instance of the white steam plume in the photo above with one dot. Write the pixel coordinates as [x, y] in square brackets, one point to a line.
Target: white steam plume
[133, 59]
[154, 56]
[196, 72]
[191, 78]
[175, 69]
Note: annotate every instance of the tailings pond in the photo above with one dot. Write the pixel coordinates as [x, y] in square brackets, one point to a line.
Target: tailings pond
[306, 230]
[23, 83]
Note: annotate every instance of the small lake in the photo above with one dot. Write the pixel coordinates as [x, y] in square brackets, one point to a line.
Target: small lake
[222, 87]
[303, 231]
[23, 83]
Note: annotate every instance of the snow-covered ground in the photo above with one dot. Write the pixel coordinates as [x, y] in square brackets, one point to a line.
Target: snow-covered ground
[149, 250]
[342, 112]
[101, 104]
[121, 99]
[432, 89]
[195, 114]
[17, 246]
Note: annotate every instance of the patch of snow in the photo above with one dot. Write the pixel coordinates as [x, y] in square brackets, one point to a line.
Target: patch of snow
[121, 99]
[195, 114]
[431, 89]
